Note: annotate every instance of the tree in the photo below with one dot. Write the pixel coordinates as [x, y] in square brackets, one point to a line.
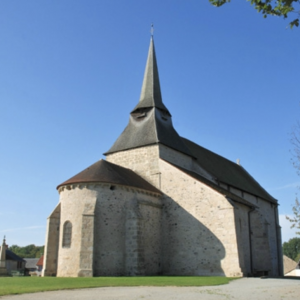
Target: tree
[295, 140]
[295, 220]
[292, 248]
[280, 8]
[30, 251]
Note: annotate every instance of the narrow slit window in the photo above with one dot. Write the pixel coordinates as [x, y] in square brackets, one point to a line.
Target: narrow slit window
[67, 235]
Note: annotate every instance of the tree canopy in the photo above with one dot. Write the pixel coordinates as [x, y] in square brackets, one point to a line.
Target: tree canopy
[30, 251]
[280, 8]
[292, 248]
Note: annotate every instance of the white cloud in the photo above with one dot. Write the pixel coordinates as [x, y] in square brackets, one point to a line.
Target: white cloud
[286, 232]
[286, 186]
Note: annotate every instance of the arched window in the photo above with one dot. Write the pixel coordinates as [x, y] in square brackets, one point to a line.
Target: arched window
[67, 235]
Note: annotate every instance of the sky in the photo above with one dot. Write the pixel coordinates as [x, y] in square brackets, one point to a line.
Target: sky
[71, 72]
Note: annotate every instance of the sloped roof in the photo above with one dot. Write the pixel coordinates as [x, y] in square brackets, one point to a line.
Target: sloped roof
[40, 261]
[149, 127]
[214, 186]
[12, 256]
[106, 172]
[31, 263]
[150, 121]
[227, 172]
[288, 264]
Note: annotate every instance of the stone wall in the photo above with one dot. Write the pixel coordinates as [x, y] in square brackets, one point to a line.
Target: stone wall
[151, 227]
[182, 160]
[86, 259]
[51, 243]
[143, 161]
[243, 237]
[74, 199]
[190, 230]
[111, 231]
[120, 238]
[265, 235]
[199, 231]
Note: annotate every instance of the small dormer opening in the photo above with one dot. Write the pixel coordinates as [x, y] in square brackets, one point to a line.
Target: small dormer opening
[142, 115]
[112, 187]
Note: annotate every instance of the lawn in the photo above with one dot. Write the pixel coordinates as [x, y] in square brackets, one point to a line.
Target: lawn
[21, 285]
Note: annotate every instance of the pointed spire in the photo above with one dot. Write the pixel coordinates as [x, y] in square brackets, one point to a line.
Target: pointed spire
[3, 254]
[151, 94]
[150, 122]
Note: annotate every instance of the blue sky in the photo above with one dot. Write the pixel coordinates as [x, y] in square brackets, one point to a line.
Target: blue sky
[71, 71]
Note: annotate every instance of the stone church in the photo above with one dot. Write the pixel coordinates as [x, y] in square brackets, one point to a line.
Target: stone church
[161, 204]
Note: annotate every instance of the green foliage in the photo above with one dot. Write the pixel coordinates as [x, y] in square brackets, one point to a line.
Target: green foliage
[292, 248]
[280, 8]
[295, 220]
[21, 285]
[30, 251]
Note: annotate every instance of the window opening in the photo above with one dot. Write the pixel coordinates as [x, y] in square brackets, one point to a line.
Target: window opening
[67, 235]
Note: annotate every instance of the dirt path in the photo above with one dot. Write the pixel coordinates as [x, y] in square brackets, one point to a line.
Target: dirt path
[242, 289]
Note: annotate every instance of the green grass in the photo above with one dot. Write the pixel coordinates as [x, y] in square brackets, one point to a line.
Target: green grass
[21, 285]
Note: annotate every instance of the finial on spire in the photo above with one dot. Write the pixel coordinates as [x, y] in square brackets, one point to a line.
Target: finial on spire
[152, 30]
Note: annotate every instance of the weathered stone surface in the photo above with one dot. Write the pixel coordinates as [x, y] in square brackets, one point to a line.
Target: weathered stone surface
[190, 230]
[52, 243]
[197, 225]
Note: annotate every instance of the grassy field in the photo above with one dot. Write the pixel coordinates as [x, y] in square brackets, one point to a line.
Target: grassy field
[21, 285]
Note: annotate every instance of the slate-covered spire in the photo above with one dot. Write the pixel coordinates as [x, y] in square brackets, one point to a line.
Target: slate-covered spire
[151, 93]
[150, 121]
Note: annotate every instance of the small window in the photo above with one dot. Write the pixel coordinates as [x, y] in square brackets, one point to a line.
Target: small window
[67, 235]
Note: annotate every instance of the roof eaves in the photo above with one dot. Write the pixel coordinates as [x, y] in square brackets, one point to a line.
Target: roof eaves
[110, 173]
[13, 256]
[272, 200]
[146, 191]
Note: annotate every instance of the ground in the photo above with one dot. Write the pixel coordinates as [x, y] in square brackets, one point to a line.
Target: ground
[245, 288]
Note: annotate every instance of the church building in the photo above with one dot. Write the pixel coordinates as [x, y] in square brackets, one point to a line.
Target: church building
[161, 204]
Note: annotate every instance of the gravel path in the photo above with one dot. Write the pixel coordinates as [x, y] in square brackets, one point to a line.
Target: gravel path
[242, 289]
